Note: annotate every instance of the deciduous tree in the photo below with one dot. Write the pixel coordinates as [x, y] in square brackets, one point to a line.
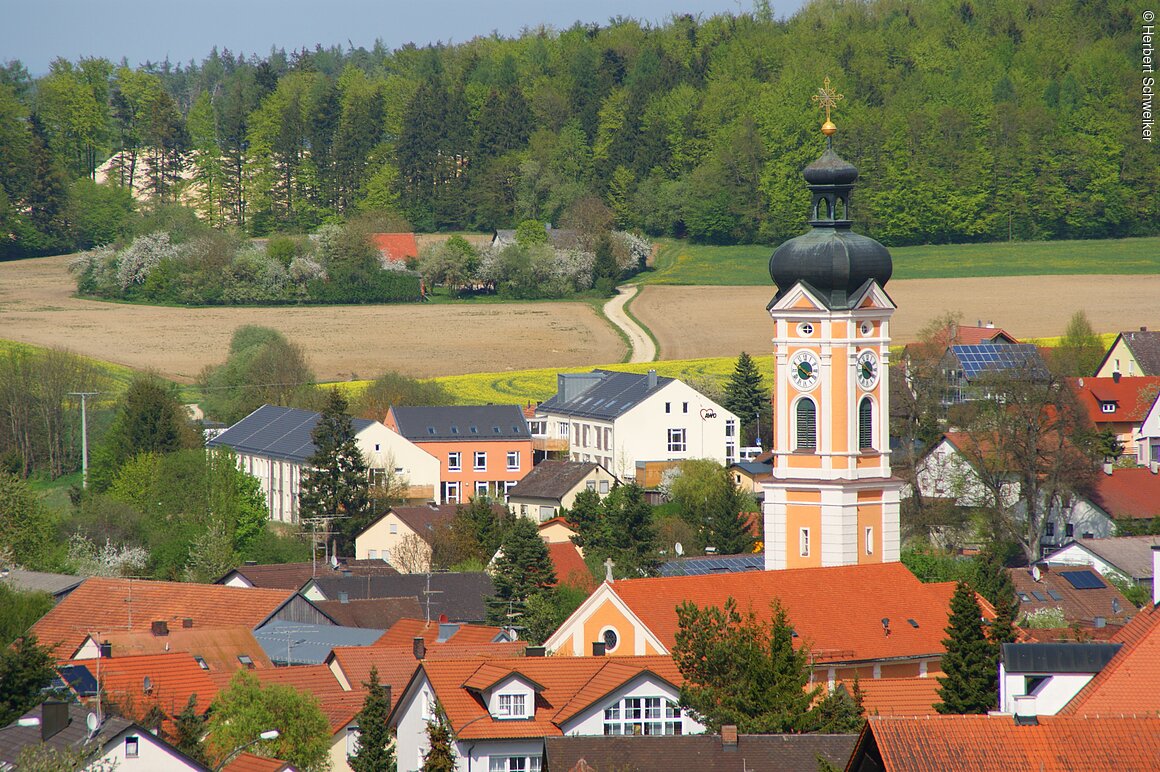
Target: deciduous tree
[26, 669]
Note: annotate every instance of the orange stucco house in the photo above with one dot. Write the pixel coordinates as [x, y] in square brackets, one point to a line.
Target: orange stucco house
[483, 450]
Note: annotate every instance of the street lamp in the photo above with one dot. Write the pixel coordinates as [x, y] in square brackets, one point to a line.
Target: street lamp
[270, 734]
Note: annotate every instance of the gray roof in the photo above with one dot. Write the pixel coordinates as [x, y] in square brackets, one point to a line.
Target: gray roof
[459, 596]
[1057, 657]
[298, 643]
[462, 422]
[772, 752]
[1145, 347]
[14, 739]
[276, 432]
[1130, 554]
[38, 581]
[552, 479]
[755, 468]
[610, 395]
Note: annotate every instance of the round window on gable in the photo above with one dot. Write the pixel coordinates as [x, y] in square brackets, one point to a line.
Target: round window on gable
[610, 639]
[805, 329]
[866, 328]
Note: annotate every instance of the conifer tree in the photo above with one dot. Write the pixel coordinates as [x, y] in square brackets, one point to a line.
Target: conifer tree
[970, 683]
[523, 569]
[440, 757]
[994, 584]
[189, 729]
[335, 481]
[26, 670]
[839, 712]
[376, 752]
[745, 394]
[741, 670]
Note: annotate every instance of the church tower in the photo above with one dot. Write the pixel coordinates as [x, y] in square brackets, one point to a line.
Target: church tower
[832, 500]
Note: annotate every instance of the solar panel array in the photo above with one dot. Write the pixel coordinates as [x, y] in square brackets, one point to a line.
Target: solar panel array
[1082, 580]
[982, 357]
[713, 564]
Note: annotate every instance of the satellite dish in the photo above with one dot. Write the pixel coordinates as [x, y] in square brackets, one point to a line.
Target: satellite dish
[1036, 574]
[677, 548]
[93, 723]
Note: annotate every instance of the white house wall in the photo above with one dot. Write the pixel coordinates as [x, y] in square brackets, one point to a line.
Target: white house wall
[475, 755]
[411, 735]
[385, 449]
[591, 721]
[1075, 555]
[151, 756]
[1148, 443]
[1050, 697]
[379, 543]
[642, 434]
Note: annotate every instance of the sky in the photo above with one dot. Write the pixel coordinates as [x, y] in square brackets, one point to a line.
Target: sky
[38, 31]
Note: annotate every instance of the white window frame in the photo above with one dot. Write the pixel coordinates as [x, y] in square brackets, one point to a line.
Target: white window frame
[452, 494]
[479, 461]
[513, 461]
[644, 716]
[678, 440]
[393, 527]
[481, 488]
[804, 542]
[132, 747]
[869, 540]
[454, 461]
[603, 487]
[511, 706]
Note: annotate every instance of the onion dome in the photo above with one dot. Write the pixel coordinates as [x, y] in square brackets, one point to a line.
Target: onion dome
[833, 260]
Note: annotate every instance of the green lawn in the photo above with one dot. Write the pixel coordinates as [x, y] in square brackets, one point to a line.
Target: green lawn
[679, 262]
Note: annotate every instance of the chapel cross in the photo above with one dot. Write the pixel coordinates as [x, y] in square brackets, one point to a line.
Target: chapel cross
[608, 564]
[827, 98]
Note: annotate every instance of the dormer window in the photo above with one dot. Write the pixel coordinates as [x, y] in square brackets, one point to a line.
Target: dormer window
[512, 706]
[1108, 407]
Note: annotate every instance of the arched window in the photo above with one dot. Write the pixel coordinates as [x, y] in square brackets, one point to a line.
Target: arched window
[840, 208]
[866, 424]
[806, 425]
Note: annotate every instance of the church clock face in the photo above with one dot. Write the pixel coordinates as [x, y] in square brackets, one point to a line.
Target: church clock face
[804, 370]
[867, 369]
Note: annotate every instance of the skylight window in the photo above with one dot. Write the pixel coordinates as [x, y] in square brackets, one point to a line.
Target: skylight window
[201, 662]
[246, 661]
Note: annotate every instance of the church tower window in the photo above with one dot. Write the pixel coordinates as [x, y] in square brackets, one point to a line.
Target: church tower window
[807, 425]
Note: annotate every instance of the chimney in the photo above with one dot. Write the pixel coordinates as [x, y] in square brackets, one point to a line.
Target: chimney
[598, 648]
[1155, 573]
[990, 325]
[1143, 328]
[535, 651]
[1116, 376]
[160, 628]
[187, 623]
[1025, 713]
[105, 650]
[53, 718]
[344, 597]
[419, 647]
[729, 737]
[979, 323]
[652, 379]
[1108, 468]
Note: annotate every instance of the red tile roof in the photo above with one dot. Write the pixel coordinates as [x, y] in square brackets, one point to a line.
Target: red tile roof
[248, 762]
[1133, 397]
[570, 684]
[899, 696]
[338, 705]
[396, 246]
[218, 646]
[838, 611]
[101, 605]
[172, 679]
[1079, 606]
[998, 744]
[570, 566]
[395, 664]
[1133, 493]
[1128, 683]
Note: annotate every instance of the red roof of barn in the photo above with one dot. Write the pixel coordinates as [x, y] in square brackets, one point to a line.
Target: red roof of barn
[1128, 683]
[1133, 493]
[570, 566]
[396, 246]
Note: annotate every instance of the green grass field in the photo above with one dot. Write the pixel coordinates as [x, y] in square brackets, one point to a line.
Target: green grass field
[680, 262]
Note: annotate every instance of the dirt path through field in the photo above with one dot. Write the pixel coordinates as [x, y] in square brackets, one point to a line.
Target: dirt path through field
[694, 322]
[643, 348]
[36, 306]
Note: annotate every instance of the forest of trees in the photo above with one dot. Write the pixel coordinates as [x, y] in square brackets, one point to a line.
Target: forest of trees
[970, 120]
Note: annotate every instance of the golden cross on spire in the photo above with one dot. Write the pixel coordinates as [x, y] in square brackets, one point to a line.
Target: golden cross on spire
[828, 98]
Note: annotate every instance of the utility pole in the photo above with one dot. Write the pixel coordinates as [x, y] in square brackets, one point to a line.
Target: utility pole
[84, 395]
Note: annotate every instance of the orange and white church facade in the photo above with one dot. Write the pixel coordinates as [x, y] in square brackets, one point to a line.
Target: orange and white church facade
[832, 500]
